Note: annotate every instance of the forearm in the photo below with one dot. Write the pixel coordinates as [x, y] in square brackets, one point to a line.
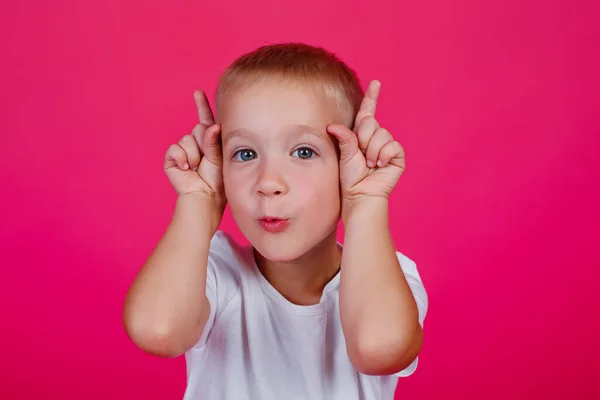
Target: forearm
[378, 311]
[165, 308]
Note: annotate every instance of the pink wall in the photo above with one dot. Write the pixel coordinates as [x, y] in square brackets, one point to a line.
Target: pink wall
[495, 102]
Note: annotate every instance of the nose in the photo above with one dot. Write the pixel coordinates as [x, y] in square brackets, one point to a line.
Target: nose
[271, 183]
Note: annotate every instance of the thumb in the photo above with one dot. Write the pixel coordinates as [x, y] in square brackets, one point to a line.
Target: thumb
[212, 144]
[347, 140]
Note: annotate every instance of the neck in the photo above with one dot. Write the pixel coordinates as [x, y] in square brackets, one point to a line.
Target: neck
[302, 281]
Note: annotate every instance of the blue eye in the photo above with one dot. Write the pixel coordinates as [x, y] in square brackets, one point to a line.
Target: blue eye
[304, 153]
[244, 155]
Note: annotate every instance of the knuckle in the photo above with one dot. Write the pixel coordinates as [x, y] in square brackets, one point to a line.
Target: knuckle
[372, 150]
[370, 119]
[383, 132]
[350, 138]
[368, 126]
[373, 122]
[387, 152]
[199, 129]
[368, 122]
[186, 139]
[172, 150]
[360, 115]
[394, 150]
[399, 147]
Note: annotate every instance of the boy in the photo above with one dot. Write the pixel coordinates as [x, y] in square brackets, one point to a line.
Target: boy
[291, 316]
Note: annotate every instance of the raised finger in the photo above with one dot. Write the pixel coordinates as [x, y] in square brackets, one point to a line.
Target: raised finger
[212, 144]
[198, 133]
[369, 102]
[205, 115]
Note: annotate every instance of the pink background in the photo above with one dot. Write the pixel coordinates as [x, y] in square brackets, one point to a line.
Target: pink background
[495, 102]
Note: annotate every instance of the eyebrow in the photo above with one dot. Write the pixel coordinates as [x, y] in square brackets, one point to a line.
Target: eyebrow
[297, 129]
[235, 133]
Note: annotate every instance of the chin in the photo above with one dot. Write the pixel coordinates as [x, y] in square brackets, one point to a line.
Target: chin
[278, 248]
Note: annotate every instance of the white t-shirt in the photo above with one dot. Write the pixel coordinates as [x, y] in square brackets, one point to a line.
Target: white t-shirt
[257, 345]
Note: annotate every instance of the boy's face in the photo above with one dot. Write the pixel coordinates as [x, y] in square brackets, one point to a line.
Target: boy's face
[280, 162]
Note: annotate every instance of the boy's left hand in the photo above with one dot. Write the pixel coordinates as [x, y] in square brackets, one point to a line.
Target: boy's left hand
[371, 161]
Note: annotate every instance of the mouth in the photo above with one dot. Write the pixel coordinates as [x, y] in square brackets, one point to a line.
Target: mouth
[273, 224]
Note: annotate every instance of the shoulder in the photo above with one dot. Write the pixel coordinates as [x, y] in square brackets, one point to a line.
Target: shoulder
[407, 264]
[226, 259]
[223, 245]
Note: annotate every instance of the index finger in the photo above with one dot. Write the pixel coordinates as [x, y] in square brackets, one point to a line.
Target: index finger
[205, 114]
[369, 102]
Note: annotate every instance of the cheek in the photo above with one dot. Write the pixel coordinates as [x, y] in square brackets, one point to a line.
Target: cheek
[324, 193]
[235, 189]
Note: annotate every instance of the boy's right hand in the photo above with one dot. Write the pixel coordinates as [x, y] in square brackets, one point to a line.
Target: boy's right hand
[194, 164]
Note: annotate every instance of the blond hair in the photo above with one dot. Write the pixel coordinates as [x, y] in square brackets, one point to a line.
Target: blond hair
[297, 63]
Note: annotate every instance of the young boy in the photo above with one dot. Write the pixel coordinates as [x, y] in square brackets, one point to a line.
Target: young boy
[291, 316]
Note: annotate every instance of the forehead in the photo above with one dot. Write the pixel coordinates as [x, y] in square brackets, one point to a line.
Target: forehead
[270, 105]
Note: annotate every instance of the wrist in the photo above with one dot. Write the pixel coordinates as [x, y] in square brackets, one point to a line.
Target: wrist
[200, 207]
[365, 207]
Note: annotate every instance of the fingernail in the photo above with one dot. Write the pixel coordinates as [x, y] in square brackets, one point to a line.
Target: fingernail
[370, 164]
[379, 163]
[185, 166]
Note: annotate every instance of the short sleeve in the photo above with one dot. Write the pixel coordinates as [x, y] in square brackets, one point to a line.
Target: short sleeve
[222, 281]
[409, 267]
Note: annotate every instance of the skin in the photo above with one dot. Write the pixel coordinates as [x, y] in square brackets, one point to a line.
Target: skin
[282, 150]
[290, 171]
